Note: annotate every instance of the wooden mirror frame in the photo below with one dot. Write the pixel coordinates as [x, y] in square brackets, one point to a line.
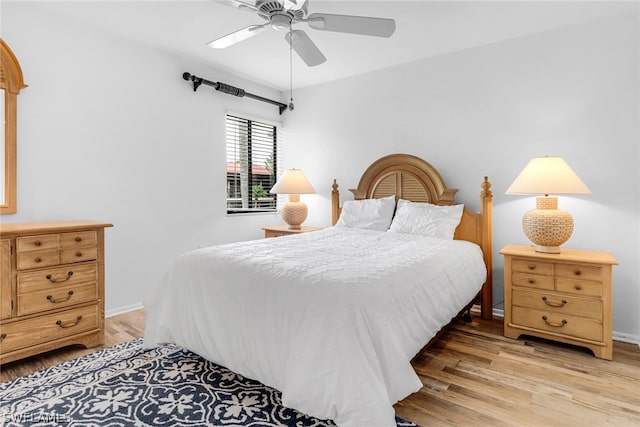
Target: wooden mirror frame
[11, 82]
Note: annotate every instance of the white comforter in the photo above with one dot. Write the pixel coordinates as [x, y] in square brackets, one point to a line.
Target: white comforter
[330, 318]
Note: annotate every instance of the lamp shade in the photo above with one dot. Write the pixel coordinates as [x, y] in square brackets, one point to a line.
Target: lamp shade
[292, 181]
[547, 175]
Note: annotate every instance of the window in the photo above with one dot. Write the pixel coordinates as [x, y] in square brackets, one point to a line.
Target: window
[252, 158]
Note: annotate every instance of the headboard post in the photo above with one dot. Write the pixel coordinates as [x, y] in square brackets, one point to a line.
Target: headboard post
[486, 212]
[335, 203]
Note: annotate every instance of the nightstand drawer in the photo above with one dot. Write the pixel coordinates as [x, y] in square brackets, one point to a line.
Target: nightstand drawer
[582, 272]
[558, 323]
[532, 281]
[269, 234]
[557, 303]
[284, 230]
[532, 266]
[579, 287]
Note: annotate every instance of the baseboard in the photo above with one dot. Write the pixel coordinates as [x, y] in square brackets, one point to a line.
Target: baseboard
[497, 312]
[617, 336]
[122, 310]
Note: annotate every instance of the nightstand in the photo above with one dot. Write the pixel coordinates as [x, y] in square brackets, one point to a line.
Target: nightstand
[564, 297]
[284, 230]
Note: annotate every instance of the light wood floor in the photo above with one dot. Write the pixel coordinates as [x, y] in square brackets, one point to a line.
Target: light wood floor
[474, 376]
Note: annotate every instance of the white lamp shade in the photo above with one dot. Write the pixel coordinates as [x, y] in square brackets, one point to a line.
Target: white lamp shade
[292, 181]
[547, 175]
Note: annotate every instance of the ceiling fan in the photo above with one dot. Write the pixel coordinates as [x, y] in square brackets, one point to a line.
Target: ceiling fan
[281, 15]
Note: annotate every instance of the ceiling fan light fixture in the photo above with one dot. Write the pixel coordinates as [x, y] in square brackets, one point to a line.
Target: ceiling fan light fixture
[280, 22]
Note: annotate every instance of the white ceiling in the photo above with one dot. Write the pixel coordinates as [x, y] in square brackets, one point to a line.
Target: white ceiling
[423, 29]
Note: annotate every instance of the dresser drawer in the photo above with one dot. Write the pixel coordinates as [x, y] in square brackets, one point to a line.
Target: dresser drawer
[532, 281]
[582, 272]
[558, 303]
[36, 259]
[579, 287]
[37, 243]
[532, 266]
[50, 327]
[66, 296]
[78, 240]
[54, 278]
[558, 323]
[78, 255]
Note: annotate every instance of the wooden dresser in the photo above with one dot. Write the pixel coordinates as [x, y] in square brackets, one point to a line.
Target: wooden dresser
[51, 286]
[565, 297]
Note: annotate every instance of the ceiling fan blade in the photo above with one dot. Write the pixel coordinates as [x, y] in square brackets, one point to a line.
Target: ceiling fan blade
[305, 7]
[238, 4]
[380, 27]
[305, 48]
[237, 37]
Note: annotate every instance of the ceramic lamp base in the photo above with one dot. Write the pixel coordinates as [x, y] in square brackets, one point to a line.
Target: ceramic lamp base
[547, 226]
[294, 212]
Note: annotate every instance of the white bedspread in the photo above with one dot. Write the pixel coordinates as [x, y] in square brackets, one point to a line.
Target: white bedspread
[330, 318]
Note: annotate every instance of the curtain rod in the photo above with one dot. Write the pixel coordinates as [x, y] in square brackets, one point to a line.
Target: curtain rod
[230, 90]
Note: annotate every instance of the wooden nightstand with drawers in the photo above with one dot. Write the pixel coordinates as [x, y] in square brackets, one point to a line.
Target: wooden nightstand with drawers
[565, 297]
[284, 230]
[51, 286]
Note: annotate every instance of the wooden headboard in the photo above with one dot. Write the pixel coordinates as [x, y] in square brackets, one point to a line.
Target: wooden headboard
[411, 178]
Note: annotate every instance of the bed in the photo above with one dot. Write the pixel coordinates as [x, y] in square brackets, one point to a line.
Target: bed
[332, 318]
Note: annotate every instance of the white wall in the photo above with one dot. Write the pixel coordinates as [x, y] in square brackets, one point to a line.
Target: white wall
[572, 92]
[109, 130]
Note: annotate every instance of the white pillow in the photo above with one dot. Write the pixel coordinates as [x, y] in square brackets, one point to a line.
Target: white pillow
[426, 219]
[374, 214]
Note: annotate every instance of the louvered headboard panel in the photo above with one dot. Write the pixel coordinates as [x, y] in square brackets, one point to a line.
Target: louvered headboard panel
[405, 176]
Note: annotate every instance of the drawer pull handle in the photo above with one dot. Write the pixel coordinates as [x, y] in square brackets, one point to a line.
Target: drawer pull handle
[78, 254]
[555, 325]
[78, 239]
[38, 259]
[578, 287]
[52, 280]
[532, 267]
[70, 324]
[554, 304]
[37, 243]
[577, 272]
[531, 281]
[59, 300]
[2, 337]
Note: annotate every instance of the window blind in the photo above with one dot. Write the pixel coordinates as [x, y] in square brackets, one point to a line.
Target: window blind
[252, 165]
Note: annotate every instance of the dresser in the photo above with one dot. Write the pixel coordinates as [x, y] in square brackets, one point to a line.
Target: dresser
[565, 297]
[51, 286]
[284, 230]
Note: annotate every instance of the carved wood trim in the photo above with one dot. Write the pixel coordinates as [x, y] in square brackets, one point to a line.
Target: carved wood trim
[11, 82]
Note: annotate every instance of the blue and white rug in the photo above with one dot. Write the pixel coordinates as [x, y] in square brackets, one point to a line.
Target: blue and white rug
[128, 386]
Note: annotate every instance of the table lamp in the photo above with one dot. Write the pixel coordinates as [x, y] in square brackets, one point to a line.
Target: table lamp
[547, 226]
[293, 182]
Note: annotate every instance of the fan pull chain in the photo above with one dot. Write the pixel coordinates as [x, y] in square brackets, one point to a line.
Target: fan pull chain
[290, 68]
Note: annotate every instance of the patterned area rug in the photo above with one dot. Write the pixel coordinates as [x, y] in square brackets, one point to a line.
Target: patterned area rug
[127, 386]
